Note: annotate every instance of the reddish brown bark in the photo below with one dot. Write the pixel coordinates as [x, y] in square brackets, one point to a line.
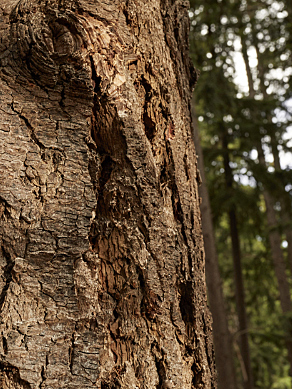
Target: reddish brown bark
[102, 262]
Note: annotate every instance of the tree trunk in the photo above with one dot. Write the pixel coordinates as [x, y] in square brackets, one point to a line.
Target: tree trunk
[285, 202]
[102, 261]
[278, 258]
[274, 235]
[283, 196]
[222, 338]
[239, 286]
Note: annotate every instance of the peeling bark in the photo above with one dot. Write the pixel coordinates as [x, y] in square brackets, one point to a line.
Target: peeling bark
[102, 262]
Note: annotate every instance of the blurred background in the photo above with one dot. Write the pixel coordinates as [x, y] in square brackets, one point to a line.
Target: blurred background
[242, 121]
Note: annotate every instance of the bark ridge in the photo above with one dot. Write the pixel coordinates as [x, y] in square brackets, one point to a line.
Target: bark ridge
[101, 257]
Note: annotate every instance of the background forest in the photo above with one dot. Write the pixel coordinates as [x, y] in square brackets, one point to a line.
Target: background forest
[243, 114]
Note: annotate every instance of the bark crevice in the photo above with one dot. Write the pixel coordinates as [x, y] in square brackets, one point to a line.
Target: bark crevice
[102, 245]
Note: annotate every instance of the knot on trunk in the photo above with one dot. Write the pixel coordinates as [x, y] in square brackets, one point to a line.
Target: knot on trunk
[53, 47]
[50, 47]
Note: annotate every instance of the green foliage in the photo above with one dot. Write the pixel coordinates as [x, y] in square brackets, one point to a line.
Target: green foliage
[233, 121]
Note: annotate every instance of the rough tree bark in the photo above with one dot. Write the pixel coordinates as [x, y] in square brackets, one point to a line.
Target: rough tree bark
[102, 263]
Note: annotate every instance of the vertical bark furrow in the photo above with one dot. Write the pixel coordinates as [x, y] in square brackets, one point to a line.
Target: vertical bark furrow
[107, 289]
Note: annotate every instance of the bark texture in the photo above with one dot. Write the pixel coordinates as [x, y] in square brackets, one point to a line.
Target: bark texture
[102, 263]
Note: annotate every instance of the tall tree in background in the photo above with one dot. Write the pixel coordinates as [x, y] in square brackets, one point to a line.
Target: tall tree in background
[102, 262]
[254, 118]
[266, 128]
[237, 264]
[224, 354]
[216, 95]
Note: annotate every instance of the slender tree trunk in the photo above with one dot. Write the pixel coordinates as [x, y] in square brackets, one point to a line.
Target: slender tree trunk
[277, 255]
[239, 287]
[286, 218]
[248, 69]
[285, 201]
[274, 236]
[222, 338]
[102, 261]
[283, 197]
